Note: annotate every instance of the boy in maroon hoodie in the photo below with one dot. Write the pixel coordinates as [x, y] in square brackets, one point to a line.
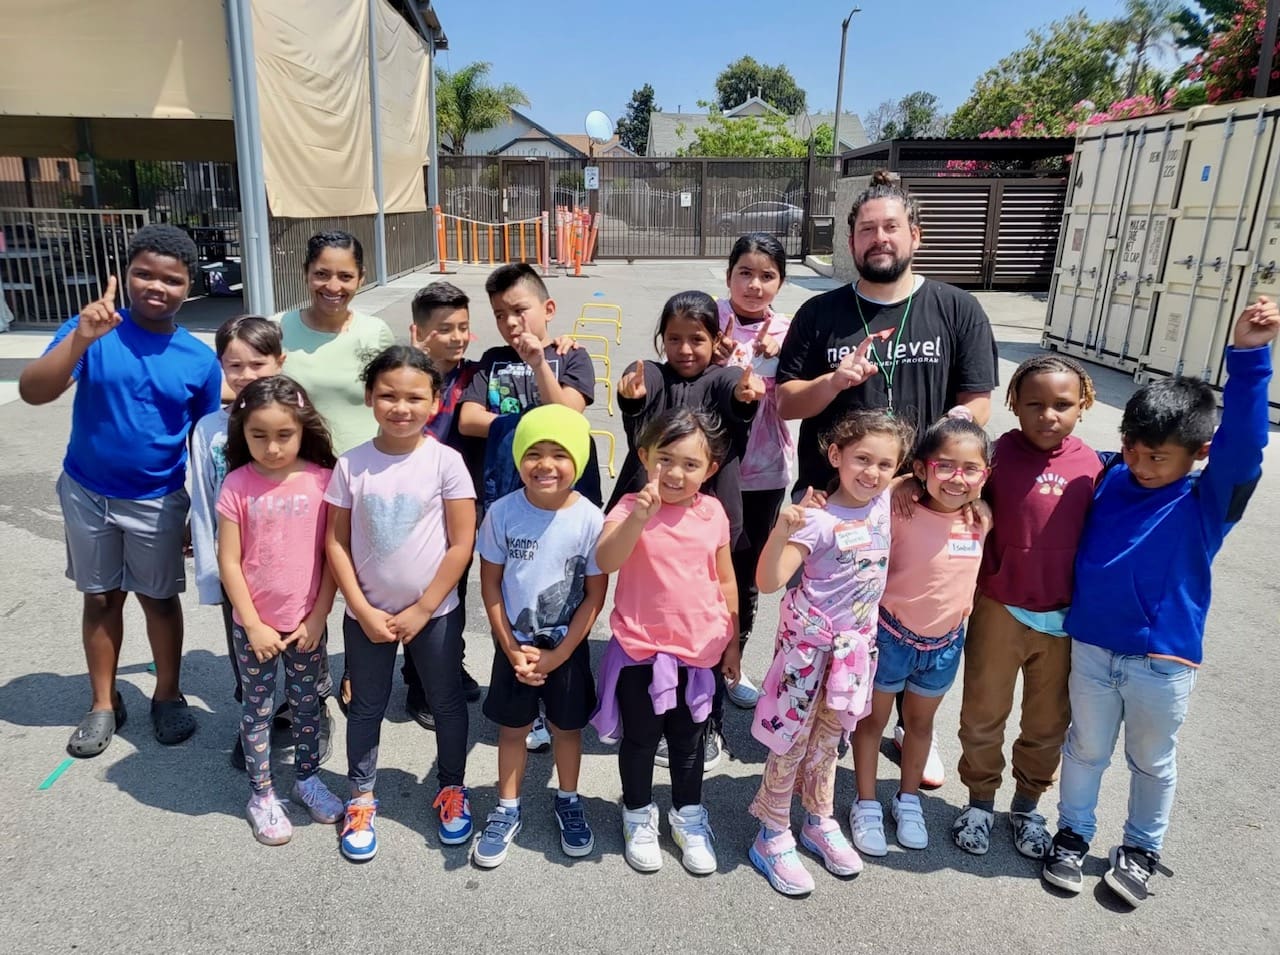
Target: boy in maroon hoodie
[1040, 490]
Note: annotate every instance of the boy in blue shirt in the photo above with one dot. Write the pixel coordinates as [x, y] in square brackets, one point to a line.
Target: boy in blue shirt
[1141, 595]
[142, 382]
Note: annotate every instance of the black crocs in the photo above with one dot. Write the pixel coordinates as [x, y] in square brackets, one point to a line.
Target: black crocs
[172, 720]
[94, 733]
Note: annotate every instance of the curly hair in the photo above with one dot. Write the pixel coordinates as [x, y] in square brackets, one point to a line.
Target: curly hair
[886, 185]
[1050, 363]
[856, 425]
[317, 446]
[167, 240]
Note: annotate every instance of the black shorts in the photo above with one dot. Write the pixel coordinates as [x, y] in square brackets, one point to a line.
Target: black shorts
[569, 695]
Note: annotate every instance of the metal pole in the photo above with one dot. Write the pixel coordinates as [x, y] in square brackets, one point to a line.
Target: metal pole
[1266, 56]
[375, 130]
[835, 133]
[255, 245]
[433, 142]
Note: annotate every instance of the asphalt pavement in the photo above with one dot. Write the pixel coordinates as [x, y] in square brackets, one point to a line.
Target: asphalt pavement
[146, 849]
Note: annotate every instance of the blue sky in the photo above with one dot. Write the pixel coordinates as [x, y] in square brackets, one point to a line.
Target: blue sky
[572, 56]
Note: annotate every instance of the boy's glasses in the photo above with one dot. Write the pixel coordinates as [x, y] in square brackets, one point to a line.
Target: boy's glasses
[945, 471]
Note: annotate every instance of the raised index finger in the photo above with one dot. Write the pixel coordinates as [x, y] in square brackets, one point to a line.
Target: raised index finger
[764, 329]
[109, 294]
[871, 340]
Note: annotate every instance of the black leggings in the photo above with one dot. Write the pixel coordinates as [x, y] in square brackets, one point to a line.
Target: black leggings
[417, 698]
[641, 730]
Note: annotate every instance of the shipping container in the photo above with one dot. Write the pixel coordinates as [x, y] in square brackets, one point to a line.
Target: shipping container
[1172, 226]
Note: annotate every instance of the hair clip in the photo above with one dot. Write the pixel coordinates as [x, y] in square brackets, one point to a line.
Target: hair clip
[241, 405]
[300, 403]
[960, 412]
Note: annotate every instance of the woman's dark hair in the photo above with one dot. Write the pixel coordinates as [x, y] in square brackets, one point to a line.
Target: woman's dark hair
[885, 185]
[1050, 363]
[765, 244]
[677, 423]
[168, 240]
[337, 239]
[1181, 410]
[856, 425]
[260, 334]
[400, 356]
[945, 429]
[317, 446]
[693, 305]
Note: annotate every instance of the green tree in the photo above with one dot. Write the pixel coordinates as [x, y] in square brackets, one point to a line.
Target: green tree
[466, 104]
[633, 128]
[753, 137]
[1199, 22]
[1071, 60]
[916, 114]
[1149, 26]
[745, 78]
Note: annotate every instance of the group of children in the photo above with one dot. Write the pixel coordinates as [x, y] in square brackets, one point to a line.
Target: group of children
[1087, 573]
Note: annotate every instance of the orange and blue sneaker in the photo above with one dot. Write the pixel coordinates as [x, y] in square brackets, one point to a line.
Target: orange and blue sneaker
[455, 815]
[359, 842]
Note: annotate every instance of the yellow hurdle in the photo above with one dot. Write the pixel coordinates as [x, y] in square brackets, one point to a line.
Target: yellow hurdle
[609, 436]
[612, 315]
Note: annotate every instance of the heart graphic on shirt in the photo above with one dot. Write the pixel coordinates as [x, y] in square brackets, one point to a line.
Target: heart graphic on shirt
[388, 520]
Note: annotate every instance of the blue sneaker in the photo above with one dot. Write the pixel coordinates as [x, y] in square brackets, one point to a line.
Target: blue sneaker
[455, 815]
[575, 834]
[490, 850]
[359, 842]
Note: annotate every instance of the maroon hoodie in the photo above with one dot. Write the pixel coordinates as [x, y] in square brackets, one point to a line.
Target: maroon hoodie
[1039, 500]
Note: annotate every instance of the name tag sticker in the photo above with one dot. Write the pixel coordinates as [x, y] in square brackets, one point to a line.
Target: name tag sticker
[964, 543]
[850, 535]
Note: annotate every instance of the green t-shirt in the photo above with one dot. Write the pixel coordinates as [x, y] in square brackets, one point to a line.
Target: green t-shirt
[329, 366]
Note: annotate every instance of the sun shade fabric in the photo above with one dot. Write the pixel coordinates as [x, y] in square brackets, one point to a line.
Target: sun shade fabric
[142, 59]
[404, 71]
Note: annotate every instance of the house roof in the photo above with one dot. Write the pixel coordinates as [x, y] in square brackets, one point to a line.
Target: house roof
[581, 142]
[671, 132]
[537, 131]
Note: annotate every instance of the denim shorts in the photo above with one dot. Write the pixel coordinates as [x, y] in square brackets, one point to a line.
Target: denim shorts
[901, 666]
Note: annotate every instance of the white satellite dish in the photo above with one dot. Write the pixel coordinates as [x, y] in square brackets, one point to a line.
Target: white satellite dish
[599, 126]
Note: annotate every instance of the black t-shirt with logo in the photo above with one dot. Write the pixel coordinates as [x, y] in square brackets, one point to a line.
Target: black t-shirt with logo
[945, 348]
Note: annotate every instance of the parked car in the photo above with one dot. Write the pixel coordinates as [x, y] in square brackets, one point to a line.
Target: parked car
[779, 218]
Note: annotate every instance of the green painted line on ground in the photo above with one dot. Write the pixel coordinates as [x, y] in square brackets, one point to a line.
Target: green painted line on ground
[53, 776]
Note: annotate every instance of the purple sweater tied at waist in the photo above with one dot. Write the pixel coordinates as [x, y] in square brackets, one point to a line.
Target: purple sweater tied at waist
[698, 692]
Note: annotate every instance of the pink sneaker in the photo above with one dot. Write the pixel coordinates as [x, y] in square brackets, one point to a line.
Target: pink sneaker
[779, 862]
[827, 842]
[266, 814]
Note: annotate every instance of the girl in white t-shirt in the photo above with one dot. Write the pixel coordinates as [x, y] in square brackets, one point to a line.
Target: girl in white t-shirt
[402, 525]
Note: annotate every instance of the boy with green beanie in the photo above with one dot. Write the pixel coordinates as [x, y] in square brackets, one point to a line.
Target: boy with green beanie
[542, 592]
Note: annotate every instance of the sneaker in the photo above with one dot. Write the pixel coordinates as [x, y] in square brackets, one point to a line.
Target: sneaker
[640, 835]
[1131, 869]
[713, 747]
[326, 731]
[266, 814]
[575, 834]
[908, 815]
[935, 774]
[825, 840]
[972, 830]
[470, 688]
[691, 831]
[1064, 861]
[420, 713]
[1030, 834]
[455, 815]
[663, 756]
[743, 694]
[539, 739]
[866, 823]
[490, 850]
[779, 862]
[323, 805]
[358, 841]
[237, 754]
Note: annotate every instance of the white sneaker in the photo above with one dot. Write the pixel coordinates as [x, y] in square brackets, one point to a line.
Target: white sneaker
[743, 693]
[866, 821]
[908, 814]
[691, 831]
[935, 774]
[323, 805]
[539, 738]
[640, 833]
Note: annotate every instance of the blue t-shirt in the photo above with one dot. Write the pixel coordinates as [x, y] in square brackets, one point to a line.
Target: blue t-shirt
[546, 557]
[137, 395]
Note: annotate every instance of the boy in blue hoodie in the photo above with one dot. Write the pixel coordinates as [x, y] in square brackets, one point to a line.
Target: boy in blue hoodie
[1142, 588]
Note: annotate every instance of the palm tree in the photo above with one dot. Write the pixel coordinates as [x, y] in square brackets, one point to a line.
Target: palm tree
[1149, 26]
[466, 104]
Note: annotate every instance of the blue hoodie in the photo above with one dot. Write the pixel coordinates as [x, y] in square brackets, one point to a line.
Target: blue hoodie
[1143, 580]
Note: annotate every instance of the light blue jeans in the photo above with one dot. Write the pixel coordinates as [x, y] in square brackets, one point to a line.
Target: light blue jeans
[1149, 696]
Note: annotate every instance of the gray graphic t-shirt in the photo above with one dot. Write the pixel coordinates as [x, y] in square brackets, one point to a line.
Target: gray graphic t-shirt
[546, 558]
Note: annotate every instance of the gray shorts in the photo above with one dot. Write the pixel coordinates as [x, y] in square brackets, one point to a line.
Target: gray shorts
[118, 544]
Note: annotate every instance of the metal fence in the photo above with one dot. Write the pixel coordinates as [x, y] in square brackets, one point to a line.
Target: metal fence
[53, 261]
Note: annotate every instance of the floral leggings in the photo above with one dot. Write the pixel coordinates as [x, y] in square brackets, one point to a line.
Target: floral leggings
[303, 674]
[809, 766]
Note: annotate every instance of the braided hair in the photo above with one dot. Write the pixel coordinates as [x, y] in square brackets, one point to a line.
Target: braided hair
[1049, 363]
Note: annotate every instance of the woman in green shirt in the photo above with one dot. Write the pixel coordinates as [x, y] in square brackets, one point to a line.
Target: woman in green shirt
[329, 344]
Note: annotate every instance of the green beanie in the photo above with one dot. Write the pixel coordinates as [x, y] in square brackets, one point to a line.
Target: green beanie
[564, 426]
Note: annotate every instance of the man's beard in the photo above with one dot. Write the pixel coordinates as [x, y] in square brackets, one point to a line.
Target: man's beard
[882, 274]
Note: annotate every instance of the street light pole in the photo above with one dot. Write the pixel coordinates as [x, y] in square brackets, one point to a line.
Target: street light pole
[1267, 53]
[844, 35]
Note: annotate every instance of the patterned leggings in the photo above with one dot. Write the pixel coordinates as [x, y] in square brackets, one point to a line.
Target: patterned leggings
[809, 767]
[303, 674]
